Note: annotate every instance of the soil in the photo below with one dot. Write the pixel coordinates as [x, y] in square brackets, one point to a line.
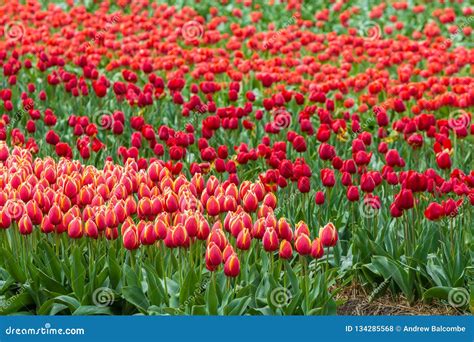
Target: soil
[356, 303]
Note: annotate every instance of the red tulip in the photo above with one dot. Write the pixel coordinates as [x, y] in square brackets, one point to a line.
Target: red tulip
[213, 255]
[74, 228]
[232, 266]
[250, 202]
[443, 160]
[303, 244]
[212, 206]
[130, 239]
[244, 240]
[317, 249]
[434, 211]
[25, 227]
[328, 235]
[327, 178]
[270, 240]
[319, 198]
[90, 229]
[286, 251]
[353, 193]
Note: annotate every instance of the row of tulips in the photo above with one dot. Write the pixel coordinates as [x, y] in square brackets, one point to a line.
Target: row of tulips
[154, 212]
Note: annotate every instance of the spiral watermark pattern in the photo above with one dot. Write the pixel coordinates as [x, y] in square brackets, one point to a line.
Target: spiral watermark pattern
[370, 30]
[103, 120]
[459, 119]
[281, 119]
[192, 30]
[14, 30]
[102, 297]
[458, 297]
[280, 297]
[369, 207]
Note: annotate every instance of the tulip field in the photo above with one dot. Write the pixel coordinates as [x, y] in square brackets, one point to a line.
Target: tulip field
[235, 157]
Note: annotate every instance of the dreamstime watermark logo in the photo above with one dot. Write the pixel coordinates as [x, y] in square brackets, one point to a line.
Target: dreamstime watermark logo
[378, 289]
[280, 297]
[192, 30]
[369, 207]
[281, 119]
[103, 296]
[458, 297]
[459, 119]
[466, 22]
[103, 120]
[370, 30]
[278, 33]
[5, 303]
[14, 30]
[47, 329]
[197, 293]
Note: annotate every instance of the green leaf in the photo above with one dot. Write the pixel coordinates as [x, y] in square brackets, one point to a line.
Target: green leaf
[392, 269]
[188, 286]
[78, 274]
[71, 302]
[237, 306]
[15, 303]
[115, 273]
[87, 310]
[51, 284]
[11, 265]
[212, 300]
[155, 290]
[198, 310]
[134, 295]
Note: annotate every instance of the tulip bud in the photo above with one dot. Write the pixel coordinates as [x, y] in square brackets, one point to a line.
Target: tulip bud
[130, 239]
[250, 202]
[218, 237]
[301, 228]
[74, 228]
[258, 229]
[328, 235]
[286, 251]
[212, 206]
[90, 229]
[203, 229]
[171, 202]
[148, 236]
[180, 236]
[232, 266]
[319, 198]
[213, 255]
[270, 240]
[317, 250]
[353, 193]
[70, 188]
[5, 219]
[244, 239]
[34, 212]
[25, 226]
[284, 230]
[227, 252]
[46, 226]
[111, 233]
[270, 200]
[303, 244]
[434, 211]
[191, 225]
